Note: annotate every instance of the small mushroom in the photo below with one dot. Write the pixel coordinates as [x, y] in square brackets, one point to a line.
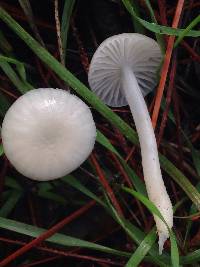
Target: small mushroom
[122, 71]
[48, 133]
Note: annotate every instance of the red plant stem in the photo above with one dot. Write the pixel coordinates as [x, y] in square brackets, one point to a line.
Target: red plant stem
[166, 64]
[82, 52]
[130, 154]
[46, 234]
[162, 11]
[123, 143]
[168, 100]
[64, 253]
[122, 171]
[49, 259]
[187, 6]
[193, 54]
[7, 92]
[41, 72]
[105, 185]
[32, 210]
[19, 14]
[128, 181]
[163, 16]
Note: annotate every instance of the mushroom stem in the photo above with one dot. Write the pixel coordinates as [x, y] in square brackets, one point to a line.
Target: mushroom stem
[151, 168]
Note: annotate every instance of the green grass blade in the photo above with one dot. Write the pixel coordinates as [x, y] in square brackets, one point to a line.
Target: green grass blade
[153, 209]
[72, 181]
[66, 15]
[1, 150]
[26, 6]
[135, 233]
[59, 239]
[191, 258]
[138, 27]
[139, 185]
[180, 179]
[10, 203]
[12, 183]
[186, 30]
[52, 196]
[91, 98]
[190, 223]
[7, 69]
[21, 85]
[4, 105]
[196, 159]
[5, 45]
[158, 28]
[44, 186]
[138, 236]
[142, 250]
[195, 153]
[159, 37]
[19, 65]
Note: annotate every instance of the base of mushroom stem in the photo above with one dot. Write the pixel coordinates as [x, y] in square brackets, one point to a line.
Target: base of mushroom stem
[161, 241]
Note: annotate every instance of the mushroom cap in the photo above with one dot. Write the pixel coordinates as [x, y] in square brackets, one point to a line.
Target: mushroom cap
[47, 133]
[139, 52]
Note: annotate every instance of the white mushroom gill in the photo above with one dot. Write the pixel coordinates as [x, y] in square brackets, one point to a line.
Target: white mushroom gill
[47, 133]
[123, 70]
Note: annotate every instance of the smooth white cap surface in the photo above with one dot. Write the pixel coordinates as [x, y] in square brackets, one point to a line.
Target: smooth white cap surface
[139, 52]
[48, 133]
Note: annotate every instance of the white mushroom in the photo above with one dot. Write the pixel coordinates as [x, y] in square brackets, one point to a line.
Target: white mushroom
[123, 70]
[48, 133]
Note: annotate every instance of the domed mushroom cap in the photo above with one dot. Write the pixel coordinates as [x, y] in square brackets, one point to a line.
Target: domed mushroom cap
[47, 133]
[141, 53]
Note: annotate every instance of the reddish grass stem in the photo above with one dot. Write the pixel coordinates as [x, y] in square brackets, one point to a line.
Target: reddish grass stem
[168, 100]
[46, 234]
[165, 67]
[193, 54]
[38, 262]
[64, 253]
[106, 185]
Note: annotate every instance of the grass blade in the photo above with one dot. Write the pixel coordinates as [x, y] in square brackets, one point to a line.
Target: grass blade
[59, 239]
[158, 28]
[138, 184]
[1, 150]
[26, 6]
[137, 25]
[67, 11]
[4, 44]
[12, 183]
[153, 209]
[186, 30]
[4, 105]
[10, 203]
[138, 236]
[20, 84]
[72, 181]
[19, 65]
[180, 179]
[142, 250]
[159, 37]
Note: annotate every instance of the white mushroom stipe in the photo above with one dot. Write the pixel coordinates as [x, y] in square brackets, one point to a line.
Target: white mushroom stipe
[47, 133]
[122, 71]
[162, 238]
